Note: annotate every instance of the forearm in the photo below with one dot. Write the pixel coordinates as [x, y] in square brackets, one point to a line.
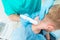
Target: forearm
[14, 18]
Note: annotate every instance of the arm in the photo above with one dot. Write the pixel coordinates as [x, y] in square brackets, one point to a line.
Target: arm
[14, 18]
[9, 11]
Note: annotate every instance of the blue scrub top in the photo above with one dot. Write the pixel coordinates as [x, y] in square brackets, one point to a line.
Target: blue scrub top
[21, 6]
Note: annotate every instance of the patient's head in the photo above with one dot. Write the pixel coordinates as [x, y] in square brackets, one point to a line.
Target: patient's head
[51, 20]
[53, 16]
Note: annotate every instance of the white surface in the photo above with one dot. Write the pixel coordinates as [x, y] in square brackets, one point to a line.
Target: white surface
[3, 16]
[9, 24]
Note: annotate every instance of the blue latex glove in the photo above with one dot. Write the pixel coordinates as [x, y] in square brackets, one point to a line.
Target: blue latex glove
[45, 8]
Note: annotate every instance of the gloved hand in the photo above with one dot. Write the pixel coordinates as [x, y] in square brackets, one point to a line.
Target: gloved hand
[45, 8]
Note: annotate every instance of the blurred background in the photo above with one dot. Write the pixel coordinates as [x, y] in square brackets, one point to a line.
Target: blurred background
[4, 19]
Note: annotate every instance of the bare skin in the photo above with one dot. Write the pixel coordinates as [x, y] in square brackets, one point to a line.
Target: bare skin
[14, 18]
[45, 24]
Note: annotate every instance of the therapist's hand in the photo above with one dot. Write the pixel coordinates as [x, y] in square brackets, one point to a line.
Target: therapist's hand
[15, 18]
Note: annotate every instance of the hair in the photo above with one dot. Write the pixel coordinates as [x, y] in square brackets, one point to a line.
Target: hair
[54, 15]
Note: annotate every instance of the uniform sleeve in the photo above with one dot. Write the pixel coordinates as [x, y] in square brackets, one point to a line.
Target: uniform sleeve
[8, 9]
[45, 8]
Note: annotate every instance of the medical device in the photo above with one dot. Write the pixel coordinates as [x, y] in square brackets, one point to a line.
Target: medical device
[29, 19]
